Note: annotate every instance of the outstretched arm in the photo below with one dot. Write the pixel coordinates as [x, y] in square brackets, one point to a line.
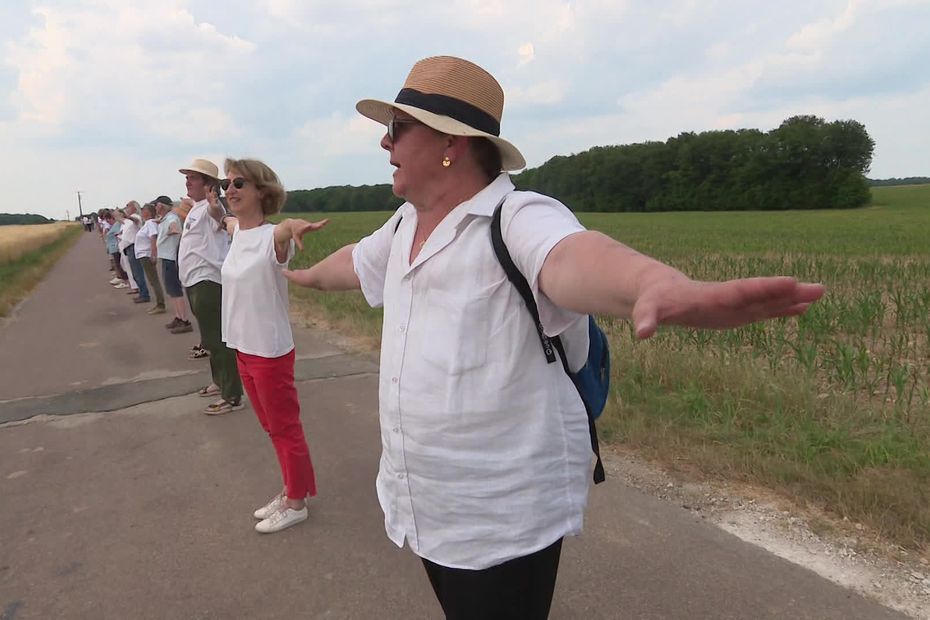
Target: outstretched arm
[295, 229]
[591, 273]
[336, 272]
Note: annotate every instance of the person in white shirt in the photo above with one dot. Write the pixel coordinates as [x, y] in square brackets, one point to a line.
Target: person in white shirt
[123, 237]
[147, 255]
[131, 226]
[256, 325]
[201, 252]
[166, 247]
[485, 446]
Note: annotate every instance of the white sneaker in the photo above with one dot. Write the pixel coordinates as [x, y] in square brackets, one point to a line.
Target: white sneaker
[281, 519]
[121, 285]
[276, 503]
[115, 281]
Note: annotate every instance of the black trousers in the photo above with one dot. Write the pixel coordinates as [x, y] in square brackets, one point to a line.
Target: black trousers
[520, 589]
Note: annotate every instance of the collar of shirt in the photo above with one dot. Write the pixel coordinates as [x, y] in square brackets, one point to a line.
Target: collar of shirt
[481, 204]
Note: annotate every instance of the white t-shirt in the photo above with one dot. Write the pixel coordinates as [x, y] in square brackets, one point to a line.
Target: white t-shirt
[167, 244]
[144, 238]
[127, 233]
[203, 247]
[486, 454]
[255, 303]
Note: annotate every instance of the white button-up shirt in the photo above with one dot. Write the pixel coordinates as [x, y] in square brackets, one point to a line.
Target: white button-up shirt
[485, 446]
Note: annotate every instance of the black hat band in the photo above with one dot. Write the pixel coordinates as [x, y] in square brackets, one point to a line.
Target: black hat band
[453, 108]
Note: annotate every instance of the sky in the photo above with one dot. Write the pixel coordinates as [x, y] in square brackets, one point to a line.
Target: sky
[109, 98]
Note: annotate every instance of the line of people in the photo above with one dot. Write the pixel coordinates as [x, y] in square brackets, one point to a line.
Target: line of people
[485, 441]
[224, 256]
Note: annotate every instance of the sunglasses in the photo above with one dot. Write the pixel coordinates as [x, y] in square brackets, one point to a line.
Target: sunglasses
[238, 183]
[394, 122]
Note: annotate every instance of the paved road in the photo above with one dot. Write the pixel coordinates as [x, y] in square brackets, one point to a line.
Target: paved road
[128, 503]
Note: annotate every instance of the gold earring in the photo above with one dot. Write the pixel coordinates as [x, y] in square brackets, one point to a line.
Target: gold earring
[446, 162]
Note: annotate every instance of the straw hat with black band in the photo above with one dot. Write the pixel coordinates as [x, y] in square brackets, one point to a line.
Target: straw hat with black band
[453, 96]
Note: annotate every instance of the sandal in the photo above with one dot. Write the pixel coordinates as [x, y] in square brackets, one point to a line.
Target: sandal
[208, 390]
[198, 353]
[223, 406]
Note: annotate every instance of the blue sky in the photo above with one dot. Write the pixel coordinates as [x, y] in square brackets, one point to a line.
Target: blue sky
[111, 97]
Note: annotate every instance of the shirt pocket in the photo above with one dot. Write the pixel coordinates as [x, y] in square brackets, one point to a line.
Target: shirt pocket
[456, 332]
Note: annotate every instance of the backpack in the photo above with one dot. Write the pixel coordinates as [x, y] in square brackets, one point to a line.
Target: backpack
[593, 379]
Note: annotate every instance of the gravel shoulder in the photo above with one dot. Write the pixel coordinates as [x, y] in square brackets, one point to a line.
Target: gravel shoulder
[843, 552]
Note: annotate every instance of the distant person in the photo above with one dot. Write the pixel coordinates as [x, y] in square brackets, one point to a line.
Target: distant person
[131, 227]
[201, 252]
[256, 325]
[110, 228]
[486, 453]
[126, 222]
[147, 255]
[169, 236]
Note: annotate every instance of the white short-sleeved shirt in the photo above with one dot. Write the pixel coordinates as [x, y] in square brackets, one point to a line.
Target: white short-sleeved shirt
[167, 244]
[203, 247]
[144, 238]
[127, 233]
[255, 303]
[485, 446]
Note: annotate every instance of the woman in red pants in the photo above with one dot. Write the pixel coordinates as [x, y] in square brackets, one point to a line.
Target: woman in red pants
[255, 324]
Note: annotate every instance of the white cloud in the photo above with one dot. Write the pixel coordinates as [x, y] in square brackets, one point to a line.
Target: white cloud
[116, 94]
[106, 64]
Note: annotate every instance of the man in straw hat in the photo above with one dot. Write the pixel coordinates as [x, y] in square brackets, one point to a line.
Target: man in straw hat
[201, 252]
[486, 446]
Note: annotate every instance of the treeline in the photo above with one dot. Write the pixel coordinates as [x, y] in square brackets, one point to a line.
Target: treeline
[806, 163]
[7, 219]
[896, 181]
[342, 198]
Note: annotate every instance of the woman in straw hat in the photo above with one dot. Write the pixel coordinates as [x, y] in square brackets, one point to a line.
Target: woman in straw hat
[256, 326]
[486, 446]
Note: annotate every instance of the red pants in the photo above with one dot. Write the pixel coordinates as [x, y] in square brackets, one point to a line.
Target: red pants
[269, 382]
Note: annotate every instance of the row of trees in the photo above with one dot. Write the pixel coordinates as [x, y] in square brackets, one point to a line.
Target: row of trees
[806, 163]
[897, 181]
[7, 219]
[344, 198]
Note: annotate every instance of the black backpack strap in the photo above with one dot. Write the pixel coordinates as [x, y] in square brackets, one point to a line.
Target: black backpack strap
[514, 275]
[548, 344]
[599, 475]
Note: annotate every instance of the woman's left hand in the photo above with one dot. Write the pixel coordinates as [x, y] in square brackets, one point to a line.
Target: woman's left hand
[720, 305]
[299, 228]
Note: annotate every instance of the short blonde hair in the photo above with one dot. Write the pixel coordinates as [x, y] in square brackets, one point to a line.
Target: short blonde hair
[265, 180]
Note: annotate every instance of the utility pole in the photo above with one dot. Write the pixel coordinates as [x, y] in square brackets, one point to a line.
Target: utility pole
[80, 211]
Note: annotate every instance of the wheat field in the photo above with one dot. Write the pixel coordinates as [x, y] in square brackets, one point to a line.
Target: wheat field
[18, 240]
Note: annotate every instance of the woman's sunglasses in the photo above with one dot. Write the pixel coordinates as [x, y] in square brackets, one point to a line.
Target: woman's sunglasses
[394, 122]
[238, 183]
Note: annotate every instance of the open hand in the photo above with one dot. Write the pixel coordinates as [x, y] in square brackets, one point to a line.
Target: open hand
[720, 305]
[301, 227]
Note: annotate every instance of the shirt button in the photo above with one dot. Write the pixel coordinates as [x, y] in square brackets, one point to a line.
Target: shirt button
[400, 476]
[403, 328]
[396, 429]
[393, 379]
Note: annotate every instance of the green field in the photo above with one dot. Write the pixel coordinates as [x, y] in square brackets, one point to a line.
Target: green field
[832, 409]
